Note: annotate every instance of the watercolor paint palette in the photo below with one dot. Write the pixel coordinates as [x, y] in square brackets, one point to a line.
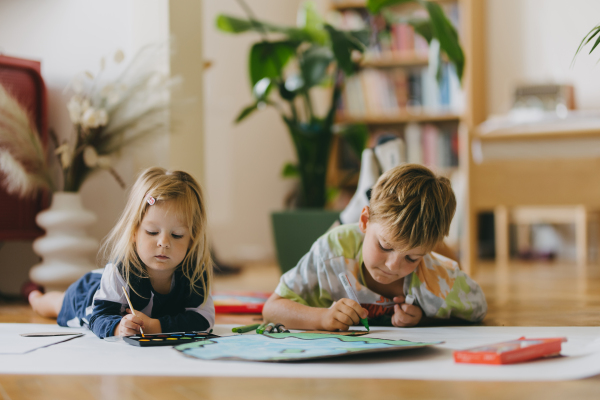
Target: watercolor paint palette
[167, 339]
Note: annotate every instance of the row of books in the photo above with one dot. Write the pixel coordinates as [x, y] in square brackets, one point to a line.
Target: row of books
[398, 41]
[392, 39]
[395, 39]
[432, 145]
[428, 144]
[388, 92]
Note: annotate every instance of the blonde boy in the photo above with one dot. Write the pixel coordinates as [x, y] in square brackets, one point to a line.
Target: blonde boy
[388, 256]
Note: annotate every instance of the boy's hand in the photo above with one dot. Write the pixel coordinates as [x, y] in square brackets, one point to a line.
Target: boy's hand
[342, 314]
[406, 314]
[129, 325]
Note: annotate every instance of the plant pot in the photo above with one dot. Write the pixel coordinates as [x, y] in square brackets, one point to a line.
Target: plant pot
[65, 249]
[295, 231]
[312, 143]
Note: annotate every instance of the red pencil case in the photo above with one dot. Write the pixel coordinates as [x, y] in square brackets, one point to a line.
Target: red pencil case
[510, 352]
[240, 302]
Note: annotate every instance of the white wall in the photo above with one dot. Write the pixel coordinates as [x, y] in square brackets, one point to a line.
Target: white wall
[243, 162]
[68, 37]
[528, 40]
[533, 41]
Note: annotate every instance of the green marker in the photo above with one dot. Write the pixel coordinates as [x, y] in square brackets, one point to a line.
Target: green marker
[352, 295]
[261, 328]
[246, 328]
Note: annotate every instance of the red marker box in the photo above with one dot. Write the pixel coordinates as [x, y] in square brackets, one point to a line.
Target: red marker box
[510, 352]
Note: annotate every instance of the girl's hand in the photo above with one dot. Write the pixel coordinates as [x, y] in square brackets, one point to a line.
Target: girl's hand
[406, 314]
[342, 314]
[129, 325]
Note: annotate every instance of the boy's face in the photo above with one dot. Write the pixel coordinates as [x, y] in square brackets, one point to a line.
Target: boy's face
[384, 262]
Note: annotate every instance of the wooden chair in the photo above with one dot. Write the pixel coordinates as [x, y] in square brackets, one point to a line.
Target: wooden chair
[525, 216]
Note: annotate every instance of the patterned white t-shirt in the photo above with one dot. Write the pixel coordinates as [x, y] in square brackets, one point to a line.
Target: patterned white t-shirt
[441, 289]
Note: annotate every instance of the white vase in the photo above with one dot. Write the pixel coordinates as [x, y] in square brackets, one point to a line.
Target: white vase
[65, 249]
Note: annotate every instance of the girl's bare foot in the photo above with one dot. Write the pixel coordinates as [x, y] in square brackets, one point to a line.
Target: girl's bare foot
[46, 305]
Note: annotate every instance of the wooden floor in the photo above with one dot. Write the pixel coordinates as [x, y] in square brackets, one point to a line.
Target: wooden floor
[535, 294]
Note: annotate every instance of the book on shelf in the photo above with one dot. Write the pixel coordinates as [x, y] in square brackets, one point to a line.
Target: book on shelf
[414, 148]
[388, 92]
[433, 145]
[389, 39]
[394, 40]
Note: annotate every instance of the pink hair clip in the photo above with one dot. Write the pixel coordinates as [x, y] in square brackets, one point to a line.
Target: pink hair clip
[151, 200]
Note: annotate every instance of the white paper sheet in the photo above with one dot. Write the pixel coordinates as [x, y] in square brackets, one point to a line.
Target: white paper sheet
[90, 355]
[11, 341]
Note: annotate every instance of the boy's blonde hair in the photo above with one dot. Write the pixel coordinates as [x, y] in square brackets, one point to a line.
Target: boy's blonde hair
[414, 206]
[163, 185]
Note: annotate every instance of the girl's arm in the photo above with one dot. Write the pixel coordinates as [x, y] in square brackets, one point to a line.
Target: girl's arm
[196, 317]
[108, 316]
[184, 322]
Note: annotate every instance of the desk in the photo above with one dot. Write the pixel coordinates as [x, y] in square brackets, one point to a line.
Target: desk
[550, 166]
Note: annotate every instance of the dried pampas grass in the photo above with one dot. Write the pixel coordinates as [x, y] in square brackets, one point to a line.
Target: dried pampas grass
[22, 158]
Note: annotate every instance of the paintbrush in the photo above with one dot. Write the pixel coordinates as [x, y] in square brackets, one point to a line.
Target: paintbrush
[132, 310]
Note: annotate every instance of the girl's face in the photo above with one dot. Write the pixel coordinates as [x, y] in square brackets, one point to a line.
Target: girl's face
[382, 261]
[162, 239]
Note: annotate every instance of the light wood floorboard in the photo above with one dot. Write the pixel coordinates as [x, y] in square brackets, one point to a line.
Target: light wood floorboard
[518, 294]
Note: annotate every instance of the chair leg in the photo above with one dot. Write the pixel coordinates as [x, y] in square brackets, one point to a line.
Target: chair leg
[523, 239]
[581, 236]
[469, 243]
[501, 234]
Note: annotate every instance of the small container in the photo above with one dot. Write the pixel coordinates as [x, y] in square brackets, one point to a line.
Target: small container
[510, 352]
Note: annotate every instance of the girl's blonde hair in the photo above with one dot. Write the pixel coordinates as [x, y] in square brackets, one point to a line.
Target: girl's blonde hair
[163, 185]
[413, 205]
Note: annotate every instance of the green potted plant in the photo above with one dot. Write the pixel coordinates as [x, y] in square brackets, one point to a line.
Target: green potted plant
[284, 71]
[320, 54]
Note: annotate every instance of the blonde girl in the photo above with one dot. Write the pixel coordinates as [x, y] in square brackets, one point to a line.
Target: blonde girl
[158, 251]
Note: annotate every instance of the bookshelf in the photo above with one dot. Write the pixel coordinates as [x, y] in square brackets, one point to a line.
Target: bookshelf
[356, 4]
[395, 66]
[399, 118]
[396, 92]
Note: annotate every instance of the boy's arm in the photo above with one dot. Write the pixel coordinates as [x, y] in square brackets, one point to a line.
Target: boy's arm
[293, 315]
[465, 300]
[461, 298]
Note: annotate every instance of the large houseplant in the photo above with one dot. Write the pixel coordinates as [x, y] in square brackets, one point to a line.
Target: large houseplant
[287, 63]
[319, 54]
[285, 66]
